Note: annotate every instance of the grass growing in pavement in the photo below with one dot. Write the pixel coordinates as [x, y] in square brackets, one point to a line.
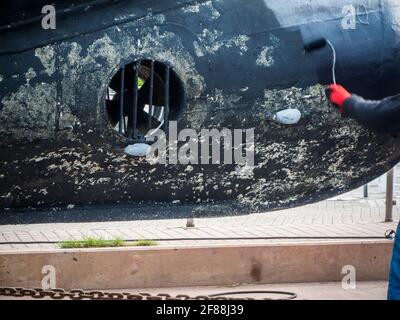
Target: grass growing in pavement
[143, 243]
[90, 242]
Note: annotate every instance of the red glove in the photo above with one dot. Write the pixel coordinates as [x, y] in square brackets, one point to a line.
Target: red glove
[338, 95]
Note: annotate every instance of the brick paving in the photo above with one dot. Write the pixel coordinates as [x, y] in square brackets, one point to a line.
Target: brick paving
[337, 218]
[349, 215]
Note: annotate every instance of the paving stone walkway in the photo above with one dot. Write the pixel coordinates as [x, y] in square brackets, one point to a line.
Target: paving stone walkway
[346, 216]
[327, 219]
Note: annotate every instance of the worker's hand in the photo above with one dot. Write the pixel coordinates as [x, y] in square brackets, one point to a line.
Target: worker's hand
[338, 95]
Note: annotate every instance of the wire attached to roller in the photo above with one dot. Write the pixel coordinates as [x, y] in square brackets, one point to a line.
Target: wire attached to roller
[334, 60]
[319, 44]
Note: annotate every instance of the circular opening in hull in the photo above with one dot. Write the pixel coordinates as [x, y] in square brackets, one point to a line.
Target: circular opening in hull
[142, 96]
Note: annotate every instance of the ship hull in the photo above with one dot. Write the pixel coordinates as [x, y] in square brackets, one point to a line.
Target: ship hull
[239, 63]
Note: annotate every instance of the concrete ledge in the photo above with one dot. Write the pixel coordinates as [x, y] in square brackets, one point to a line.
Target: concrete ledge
[197, 266]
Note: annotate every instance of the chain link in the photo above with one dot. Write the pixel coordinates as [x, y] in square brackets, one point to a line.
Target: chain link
[79, 294]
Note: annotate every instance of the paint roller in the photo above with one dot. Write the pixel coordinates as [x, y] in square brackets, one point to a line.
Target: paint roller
[319, 44]
[316, 44]
[293, 116]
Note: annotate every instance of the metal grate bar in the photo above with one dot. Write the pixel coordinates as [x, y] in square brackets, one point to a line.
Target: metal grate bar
[136, 67]
[136, 108]
[151, 110]
[121, 100]
[166, 98]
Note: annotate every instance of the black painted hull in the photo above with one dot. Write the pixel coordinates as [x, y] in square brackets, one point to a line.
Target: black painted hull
[240, 62]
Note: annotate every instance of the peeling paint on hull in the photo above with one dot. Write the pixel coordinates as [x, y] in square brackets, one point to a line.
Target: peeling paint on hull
[239, 63]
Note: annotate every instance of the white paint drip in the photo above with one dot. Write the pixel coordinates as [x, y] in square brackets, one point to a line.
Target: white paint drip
[288, 116]
[138, 150]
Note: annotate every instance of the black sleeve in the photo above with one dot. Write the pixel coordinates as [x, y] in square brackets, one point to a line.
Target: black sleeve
[379, 116]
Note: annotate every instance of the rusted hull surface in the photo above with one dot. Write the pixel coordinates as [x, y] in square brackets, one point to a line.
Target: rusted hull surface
[239, 62]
